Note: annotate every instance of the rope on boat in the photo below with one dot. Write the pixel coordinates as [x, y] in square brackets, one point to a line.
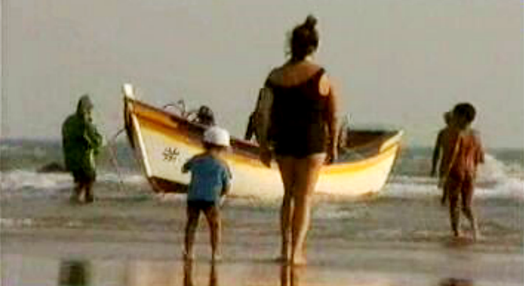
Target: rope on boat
[179, 105]
[181, 108]
[113, 158]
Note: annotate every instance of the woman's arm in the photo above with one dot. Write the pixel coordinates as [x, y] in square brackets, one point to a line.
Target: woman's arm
[263, 120]
[326, 89]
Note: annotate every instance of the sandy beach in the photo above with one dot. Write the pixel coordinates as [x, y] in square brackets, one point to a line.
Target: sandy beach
[135, 238]
[389, 73]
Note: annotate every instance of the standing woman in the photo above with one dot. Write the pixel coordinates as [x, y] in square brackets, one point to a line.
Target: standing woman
[302, 134]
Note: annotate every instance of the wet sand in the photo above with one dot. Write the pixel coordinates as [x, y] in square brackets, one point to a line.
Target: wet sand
[29, 256]
[137, 240]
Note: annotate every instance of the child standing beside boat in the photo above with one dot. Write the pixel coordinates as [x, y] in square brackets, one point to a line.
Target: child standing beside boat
[461, 166]
[210, 182]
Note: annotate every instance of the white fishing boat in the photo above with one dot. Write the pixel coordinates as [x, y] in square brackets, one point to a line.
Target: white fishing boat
[163, 141]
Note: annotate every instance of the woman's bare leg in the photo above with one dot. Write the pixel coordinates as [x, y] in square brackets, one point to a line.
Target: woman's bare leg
[285, 270]
[188, 273]
[286, 166]
[308, 171]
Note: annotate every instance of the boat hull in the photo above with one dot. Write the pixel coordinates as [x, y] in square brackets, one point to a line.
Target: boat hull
[163, 142]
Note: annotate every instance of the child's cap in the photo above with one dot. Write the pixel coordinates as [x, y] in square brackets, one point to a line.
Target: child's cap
[217, 136]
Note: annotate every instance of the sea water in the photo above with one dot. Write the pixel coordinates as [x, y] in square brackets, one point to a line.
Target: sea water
[405, 215]
[500, 182]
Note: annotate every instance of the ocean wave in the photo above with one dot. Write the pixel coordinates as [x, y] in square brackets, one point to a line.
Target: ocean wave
[495, 170]
[495, 178]
[34, 151]
[122, 178]
[29, 183]
[498, 163]
[507, 188]
[9, 148]
[20, 179]
[22, 183]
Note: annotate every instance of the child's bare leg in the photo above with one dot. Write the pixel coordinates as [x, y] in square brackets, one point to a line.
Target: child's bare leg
[467, 208]
[444, 196]
[471, 217]
[191, 226]
[215, 227]
[213, 275]
[454, 212]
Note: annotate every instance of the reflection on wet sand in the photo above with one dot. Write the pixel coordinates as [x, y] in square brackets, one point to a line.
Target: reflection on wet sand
[74, 272]
[290, 275]
[188, 274]
[28, 270]
[456, 282]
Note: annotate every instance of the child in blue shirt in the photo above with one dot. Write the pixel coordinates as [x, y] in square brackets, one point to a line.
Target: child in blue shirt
[210, 182]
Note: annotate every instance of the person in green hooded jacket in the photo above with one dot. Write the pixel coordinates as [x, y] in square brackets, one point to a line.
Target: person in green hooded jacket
[81, 141]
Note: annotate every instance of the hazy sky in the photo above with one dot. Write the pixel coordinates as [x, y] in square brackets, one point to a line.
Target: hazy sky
[398, 63]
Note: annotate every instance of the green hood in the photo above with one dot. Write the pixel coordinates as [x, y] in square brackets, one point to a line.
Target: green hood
[84, 107]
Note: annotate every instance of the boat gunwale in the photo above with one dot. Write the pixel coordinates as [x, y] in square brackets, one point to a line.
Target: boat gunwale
[193, 131]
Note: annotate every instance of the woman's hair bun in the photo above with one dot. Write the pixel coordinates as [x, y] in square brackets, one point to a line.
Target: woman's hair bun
[310, 22]
[304, 38]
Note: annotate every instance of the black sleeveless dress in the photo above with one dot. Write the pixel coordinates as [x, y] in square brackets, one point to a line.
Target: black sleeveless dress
[298, 118]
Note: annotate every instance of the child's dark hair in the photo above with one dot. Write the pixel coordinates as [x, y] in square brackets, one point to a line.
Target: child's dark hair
[206, 116]
[304, 39]
[466, 111]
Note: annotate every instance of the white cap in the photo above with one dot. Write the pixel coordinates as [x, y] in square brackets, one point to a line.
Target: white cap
[217, 136]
